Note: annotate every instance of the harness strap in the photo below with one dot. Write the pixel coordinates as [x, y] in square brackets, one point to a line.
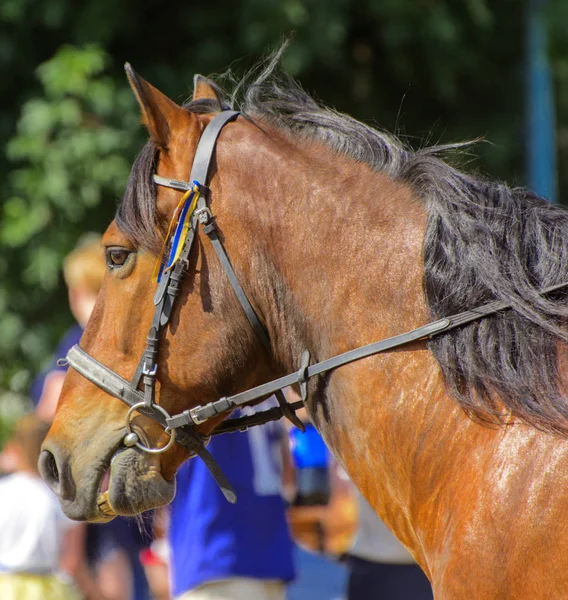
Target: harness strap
[218, 475]
[210, 229]
[175, 184]
[120, 388]
[203, 213]
[259, 418]
[201, 414]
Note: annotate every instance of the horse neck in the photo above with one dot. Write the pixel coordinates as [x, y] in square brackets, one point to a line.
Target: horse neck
[331, 252]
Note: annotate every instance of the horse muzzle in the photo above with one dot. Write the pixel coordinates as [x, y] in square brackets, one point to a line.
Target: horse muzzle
[126, 483]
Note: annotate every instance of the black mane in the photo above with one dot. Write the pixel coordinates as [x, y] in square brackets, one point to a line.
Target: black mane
[484, 241]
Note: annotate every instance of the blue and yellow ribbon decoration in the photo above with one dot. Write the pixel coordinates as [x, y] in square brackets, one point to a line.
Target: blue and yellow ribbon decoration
[182, 220]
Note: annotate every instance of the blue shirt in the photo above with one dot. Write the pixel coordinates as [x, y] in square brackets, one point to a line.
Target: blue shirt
[71, 337]
[212, 539]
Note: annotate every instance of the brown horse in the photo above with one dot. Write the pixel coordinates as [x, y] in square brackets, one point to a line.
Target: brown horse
[341, 236]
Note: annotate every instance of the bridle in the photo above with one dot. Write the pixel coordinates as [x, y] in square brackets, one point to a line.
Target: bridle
[182, 428]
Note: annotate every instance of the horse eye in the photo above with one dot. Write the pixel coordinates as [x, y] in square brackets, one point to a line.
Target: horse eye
[116, 257]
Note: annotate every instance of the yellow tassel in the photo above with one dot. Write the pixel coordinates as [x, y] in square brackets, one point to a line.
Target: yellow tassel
[161, 258]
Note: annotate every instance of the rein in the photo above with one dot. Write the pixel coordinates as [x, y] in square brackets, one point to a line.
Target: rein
[182, 428]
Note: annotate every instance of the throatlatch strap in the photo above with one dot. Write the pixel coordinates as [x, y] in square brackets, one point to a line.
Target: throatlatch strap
[242, 297]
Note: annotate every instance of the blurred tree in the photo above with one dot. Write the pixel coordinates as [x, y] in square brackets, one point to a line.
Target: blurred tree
[70, 158]
[432, 70]
[558, 14]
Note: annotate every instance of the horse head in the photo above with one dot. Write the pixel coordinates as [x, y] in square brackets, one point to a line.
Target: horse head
[207, 350]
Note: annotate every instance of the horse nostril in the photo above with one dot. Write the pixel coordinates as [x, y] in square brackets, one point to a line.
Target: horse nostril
[48, 469]
[55, 469]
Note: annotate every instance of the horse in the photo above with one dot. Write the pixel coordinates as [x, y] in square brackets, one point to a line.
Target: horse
[339, 235]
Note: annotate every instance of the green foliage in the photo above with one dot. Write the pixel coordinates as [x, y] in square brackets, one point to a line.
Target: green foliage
[70, 159]
[557, 19]
[432, 70]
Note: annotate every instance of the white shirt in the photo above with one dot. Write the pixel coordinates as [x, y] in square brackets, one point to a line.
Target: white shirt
[31, 525]
[374, 541]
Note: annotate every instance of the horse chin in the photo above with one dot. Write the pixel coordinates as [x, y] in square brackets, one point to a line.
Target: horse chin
[135, 485]
[131, 484]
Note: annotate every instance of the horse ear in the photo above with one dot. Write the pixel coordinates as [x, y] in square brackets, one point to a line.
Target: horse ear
[204, 88]
[158, 111]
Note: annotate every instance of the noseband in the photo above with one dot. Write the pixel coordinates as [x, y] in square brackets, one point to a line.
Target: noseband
[182, 428]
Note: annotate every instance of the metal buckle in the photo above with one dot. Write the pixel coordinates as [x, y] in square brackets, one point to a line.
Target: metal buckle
[132, 439]
[193, 414]
[203, 214]
[148, 373]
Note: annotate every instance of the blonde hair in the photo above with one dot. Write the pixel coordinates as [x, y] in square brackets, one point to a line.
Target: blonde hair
[84, 267]
[29, 433]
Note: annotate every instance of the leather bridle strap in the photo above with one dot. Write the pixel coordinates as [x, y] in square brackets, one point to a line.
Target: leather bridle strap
[210, 228]
[201, 414]
[120, 388]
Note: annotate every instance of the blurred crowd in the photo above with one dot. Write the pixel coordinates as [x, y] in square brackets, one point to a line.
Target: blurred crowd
[299, 530]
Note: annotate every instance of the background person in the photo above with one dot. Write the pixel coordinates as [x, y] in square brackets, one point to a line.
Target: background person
[223, 551]
[156, 558]
[321, 516]
[83, 270]
[110, 550]
[380, 567]
[37, 542]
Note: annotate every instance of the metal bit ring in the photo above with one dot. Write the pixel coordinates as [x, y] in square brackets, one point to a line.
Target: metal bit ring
[137, 444]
